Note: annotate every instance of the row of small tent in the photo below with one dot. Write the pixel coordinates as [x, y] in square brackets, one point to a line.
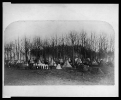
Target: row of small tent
[66, 64]
[58, 66]
[39, 64]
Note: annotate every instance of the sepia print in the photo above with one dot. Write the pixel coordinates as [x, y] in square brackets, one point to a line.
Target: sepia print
[59, 53]
[60, 50]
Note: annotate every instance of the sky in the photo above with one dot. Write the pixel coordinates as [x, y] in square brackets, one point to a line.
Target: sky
[47, 29]
[49, 19]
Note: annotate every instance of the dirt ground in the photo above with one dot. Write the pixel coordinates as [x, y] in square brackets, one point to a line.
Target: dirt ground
[16, 77]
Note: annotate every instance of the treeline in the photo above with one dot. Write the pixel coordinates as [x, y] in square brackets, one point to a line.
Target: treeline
[69, 45]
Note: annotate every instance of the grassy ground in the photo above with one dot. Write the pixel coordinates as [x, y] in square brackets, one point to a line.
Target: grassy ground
[14, 76]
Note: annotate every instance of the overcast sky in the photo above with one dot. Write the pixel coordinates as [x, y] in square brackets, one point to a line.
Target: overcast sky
[18, 19]
[47, 29]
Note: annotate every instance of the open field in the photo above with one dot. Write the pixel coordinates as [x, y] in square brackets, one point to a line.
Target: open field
[16, 77]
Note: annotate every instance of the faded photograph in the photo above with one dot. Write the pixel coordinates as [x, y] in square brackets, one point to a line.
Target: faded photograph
[59, 53]
[60, 50]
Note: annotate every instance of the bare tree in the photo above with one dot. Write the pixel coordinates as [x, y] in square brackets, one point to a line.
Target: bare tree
[9, 50]
[27, 47]
[103, 45]
[111, 43]
[56, 46]
[53, 43]
[73, 36]
[83, 36]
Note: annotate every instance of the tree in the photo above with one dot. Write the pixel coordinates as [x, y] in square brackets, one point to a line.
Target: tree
[56, 46]
[111, 43]
[103, 45]
[83, 37]
[27, 48]
[73, 36]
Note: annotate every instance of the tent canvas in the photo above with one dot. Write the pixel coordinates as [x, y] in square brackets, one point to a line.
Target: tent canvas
[39, 62]
[79, 60]
[58, 66]
[67, 65]
[52, 63]
[76, 59]
[94, 63]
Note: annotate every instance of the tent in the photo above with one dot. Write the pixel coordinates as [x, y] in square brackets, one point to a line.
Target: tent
[79, 61]
[52, 63]
[39, 62]
[58, 66]
[61, 60]
[94, 63]
[67, 65]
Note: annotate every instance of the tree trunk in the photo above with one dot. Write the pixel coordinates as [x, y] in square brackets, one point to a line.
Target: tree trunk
[73, 55]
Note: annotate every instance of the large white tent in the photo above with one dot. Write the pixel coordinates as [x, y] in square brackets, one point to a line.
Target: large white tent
[58, 66]
[67, 64]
